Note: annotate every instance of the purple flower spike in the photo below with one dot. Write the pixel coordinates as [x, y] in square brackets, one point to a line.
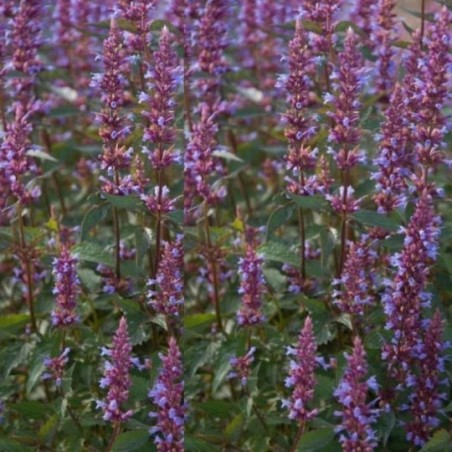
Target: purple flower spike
[241, 366]
[117, 376]
[55, 367]
[301, 375]
[405, 295]
[66, 288]
[426, 401]
[357, 416]
[169, 297]
[168, 395]
[252, 287]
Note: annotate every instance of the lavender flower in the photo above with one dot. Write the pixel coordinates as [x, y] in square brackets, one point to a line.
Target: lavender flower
[56, 367]
[166, 76]
[405, 295]
[241, 366]
[362, 15]
[348, 80]
[356, 280]
[160, 202]
[382, 40]
[66, 288]
[357, 416]
[252, 287]
[117, 376]
[301, 375]
[167, 394]
[169, 298]
[425, 401]
[394, 160]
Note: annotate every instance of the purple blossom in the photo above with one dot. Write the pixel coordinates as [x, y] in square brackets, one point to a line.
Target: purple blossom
[252, 288]
[168, 397]
[357, 416]
[382, 42]
[425, 401]
[301, 375]
[394, 159]
[168, 299]
[405, 295]
[353, 290]
[66, 288]
[55, 367]
[241, 366]
[362, 15]
[348, 81]
[344, 201]
[166, 77]
[159, 202]
[117, 376]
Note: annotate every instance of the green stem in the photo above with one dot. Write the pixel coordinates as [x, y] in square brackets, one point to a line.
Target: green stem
[298, 437]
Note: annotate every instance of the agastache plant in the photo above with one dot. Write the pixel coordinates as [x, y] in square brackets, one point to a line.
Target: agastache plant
[167, 395]
[357, 416]
[302, 379]
[117, 378]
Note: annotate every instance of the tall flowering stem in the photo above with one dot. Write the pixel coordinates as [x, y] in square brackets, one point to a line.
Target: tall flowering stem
[168, 396]
[425, 401]
[357, 416]
[166, 76]
[302, 379]
[252, 287]
[405, 295]
[115, 158]
[300, 127]
[66, 288]
[117, 379]
[348, 79]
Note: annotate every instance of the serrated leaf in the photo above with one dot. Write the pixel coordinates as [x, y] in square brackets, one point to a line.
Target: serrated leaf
[32, 409]
[314, 202]
[93, 252]
[441, 441]
[316, 440]
[279, 252]
[8, 445]
[93, 217]
[196, 320]
[130, 441]
[38, 154]
[278, 218]
[217, 408]
[10, 321]
[372, 219]
[226, 155]
[126, 202]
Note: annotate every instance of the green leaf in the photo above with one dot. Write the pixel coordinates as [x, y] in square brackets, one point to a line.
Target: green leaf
[226, 155]
[314, 202]
[130, 441]
[279, 252]
[196, 320]
[344, 25]
[216, 408]
[32, 409]
[278, 218]
[158, 24]
[93, 217]
[126, 202]
[222, 370]
[93, 252]
[441, 441]
[8, 445]
[326, 245]
[38, 154]
[5, 241]
[372, 219]
[11, 321]
[316, 440]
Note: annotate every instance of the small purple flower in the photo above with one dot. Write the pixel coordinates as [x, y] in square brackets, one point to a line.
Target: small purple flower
[425, 401]
[55, 367]
[301, 375]
[117, 376]
[357, 416]
[66, 288]
[168, 397]
[169, 297]
[252, 288]
[159, 202]
[241, 366]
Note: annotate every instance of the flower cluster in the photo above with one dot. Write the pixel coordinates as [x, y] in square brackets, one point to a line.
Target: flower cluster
[301, 375]
[241, 366]
[357, 416]
[354, 286]
[425, 401]
[252, 287]
[66, 288]
[117, 376]
[405, 295]
[55, 367]
[169, 298]
[168, 396]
